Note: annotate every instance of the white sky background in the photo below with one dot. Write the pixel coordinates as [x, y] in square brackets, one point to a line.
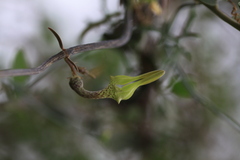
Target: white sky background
[20, 21]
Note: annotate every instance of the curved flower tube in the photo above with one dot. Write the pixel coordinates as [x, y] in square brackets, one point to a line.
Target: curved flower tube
[120, 88]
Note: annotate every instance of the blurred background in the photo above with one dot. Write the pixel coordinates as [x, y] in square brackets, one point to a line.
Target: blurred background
[192, 112]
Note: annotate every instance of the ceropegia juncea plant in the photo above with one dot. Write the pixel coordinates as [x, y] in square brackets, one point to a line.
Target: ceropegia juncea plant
[121, 87]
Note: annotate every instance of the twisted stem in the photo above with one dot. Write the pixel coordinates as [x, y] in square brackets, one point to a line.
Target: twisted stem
[75, 50]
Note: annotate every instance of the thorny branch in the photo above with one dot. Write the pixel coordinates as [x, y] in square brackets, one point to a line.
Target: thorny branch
[75, 50]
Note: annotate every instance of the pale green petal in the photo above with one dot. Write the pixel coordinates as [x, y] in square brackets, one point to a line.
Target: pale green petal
[122, 79]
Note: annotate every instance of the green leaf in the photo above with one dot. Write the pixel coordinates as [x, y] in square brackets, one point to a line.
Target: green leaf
[209, 2]
[20, 62]
[180, 90]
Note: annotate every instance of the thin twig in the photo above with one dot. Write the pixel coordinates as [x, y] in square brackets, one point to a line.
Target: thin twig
[215, 9]
[75, 50]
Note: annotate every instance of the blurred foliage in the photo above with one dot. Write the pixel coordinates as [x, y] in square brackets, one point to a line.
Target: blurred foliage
[20, 62]
[180, 90]
[209, 2]
[165, 120]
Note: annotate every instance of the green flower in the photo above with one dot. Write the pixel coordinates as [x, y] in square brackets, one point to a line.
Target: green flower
[121, 87]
